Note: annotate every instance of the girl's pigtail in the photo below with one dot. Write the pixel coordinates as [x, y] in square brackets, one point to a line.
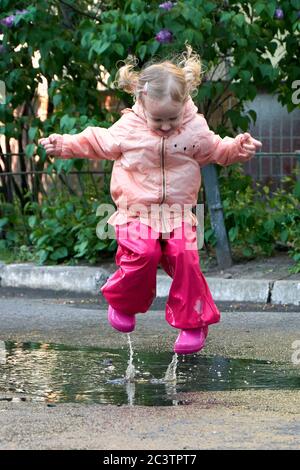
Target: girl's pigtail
[126, 77]
[191, 65]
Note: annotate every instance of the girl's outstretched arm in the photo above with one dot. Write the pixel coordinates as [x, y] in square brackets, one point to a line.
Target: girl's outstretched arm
[211, 148]
[94, 142]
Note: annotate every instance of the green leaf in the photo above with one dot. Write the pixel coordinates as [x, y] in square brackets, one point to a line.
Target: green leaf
[267, 70]
[209, 7]
[112, 246]
[142, 50]
[245, 75]
[119, 48]
[59, 253]
[270, 8]
[63, 165]
[259, 7]
[41, 241]
[226, 16]
[56, 99]
[284, 235]
[81, 249]
[99, 46]
[67, 123]
[101, 246]
[247, 252]
[153, 47]
[296, 190]
[29, 150]
[60, 213]
[239, 19]
[3, 221]
[242, 42]
[87, 39]
[233, 233]
[32, 132]
[253, 115]
[32, 220]
[269, 225]
[42, 256]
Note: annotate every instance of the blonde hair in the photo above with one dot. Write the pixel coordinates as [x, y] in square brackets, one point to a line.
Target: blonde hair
[177, 79]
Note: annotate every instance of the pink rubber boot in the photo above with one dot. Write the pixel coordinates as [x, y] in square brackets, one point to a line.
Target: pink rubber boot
[190, 341]
[121, 321]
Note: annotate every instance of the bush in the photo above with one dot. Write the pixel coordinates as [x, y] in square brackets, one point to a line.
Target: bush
[259, 221]
[64, 230]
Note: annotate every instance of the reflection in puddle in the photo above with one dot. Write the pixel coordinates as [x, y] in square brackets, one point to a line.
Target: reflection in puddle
[56, 373]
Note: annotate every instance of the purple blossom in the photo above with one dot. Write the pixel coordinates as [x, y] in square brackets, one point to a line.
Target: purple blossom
[167, 5]
[2, 49]
[279, 14]
[8, 21]
[21, 12]
[164, 36]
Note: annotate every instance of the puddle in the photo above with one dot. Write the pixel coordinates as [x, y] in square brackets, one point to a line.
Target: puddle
[55, 373]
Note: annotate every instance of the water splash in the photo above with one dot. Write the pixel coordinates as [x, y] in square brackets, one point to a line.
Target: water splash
[170, 375]
[170, 380]
[130, 390]
[130, 372]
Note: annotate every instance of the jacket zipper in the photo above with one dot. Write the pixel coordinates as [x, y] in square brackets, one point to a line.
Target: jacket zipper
[163, 182]
[162, 159]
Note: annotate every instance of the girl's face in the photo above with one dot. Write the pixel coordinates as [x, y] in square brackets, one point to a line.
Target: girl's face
[164, 116]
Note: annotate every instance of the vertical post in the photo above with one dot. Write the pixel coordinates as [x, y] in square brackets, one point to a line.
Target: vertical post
[213, 198]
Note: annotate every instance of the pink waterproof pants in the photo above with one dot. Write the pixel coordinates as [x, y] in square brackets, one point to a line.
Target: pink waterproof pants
[132, 288]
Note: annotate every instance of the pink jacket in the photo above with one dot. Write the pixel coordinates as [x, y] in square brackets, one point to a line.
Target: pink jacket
[150, 170]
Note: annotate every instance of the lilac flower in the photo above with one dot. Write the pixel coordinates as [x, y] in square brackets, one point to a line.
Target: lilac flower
[2, 49]
[164, 36]
[22, 12]
[279, 14]
[8, 21]
[167, 5]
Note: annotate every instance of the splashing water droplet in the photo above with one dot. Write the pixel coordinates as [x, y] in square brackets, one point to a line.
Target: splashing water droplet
[170, 375]
[130, 372]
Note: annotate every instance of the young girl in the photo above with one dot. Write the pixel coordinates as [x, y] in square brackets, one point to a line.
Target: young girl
[158, 146]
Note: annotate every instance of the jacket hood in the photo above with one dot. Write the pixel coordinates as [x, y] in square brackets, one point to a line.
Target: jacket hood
[190, 111]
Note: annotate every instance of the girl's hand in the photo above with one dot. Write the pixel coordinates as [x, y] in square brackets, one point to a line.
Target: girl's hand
[50, 144]
[249, 145]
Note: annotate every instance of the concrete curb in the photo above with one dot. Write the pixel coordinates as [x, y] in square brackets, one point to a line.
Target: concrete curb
[84, 279]
[58, 278]
[227, 290]
[287, 292]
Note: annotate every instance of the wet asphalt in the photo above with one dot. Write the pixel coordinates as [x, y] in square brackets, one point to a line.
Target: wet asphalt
[253, 418]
